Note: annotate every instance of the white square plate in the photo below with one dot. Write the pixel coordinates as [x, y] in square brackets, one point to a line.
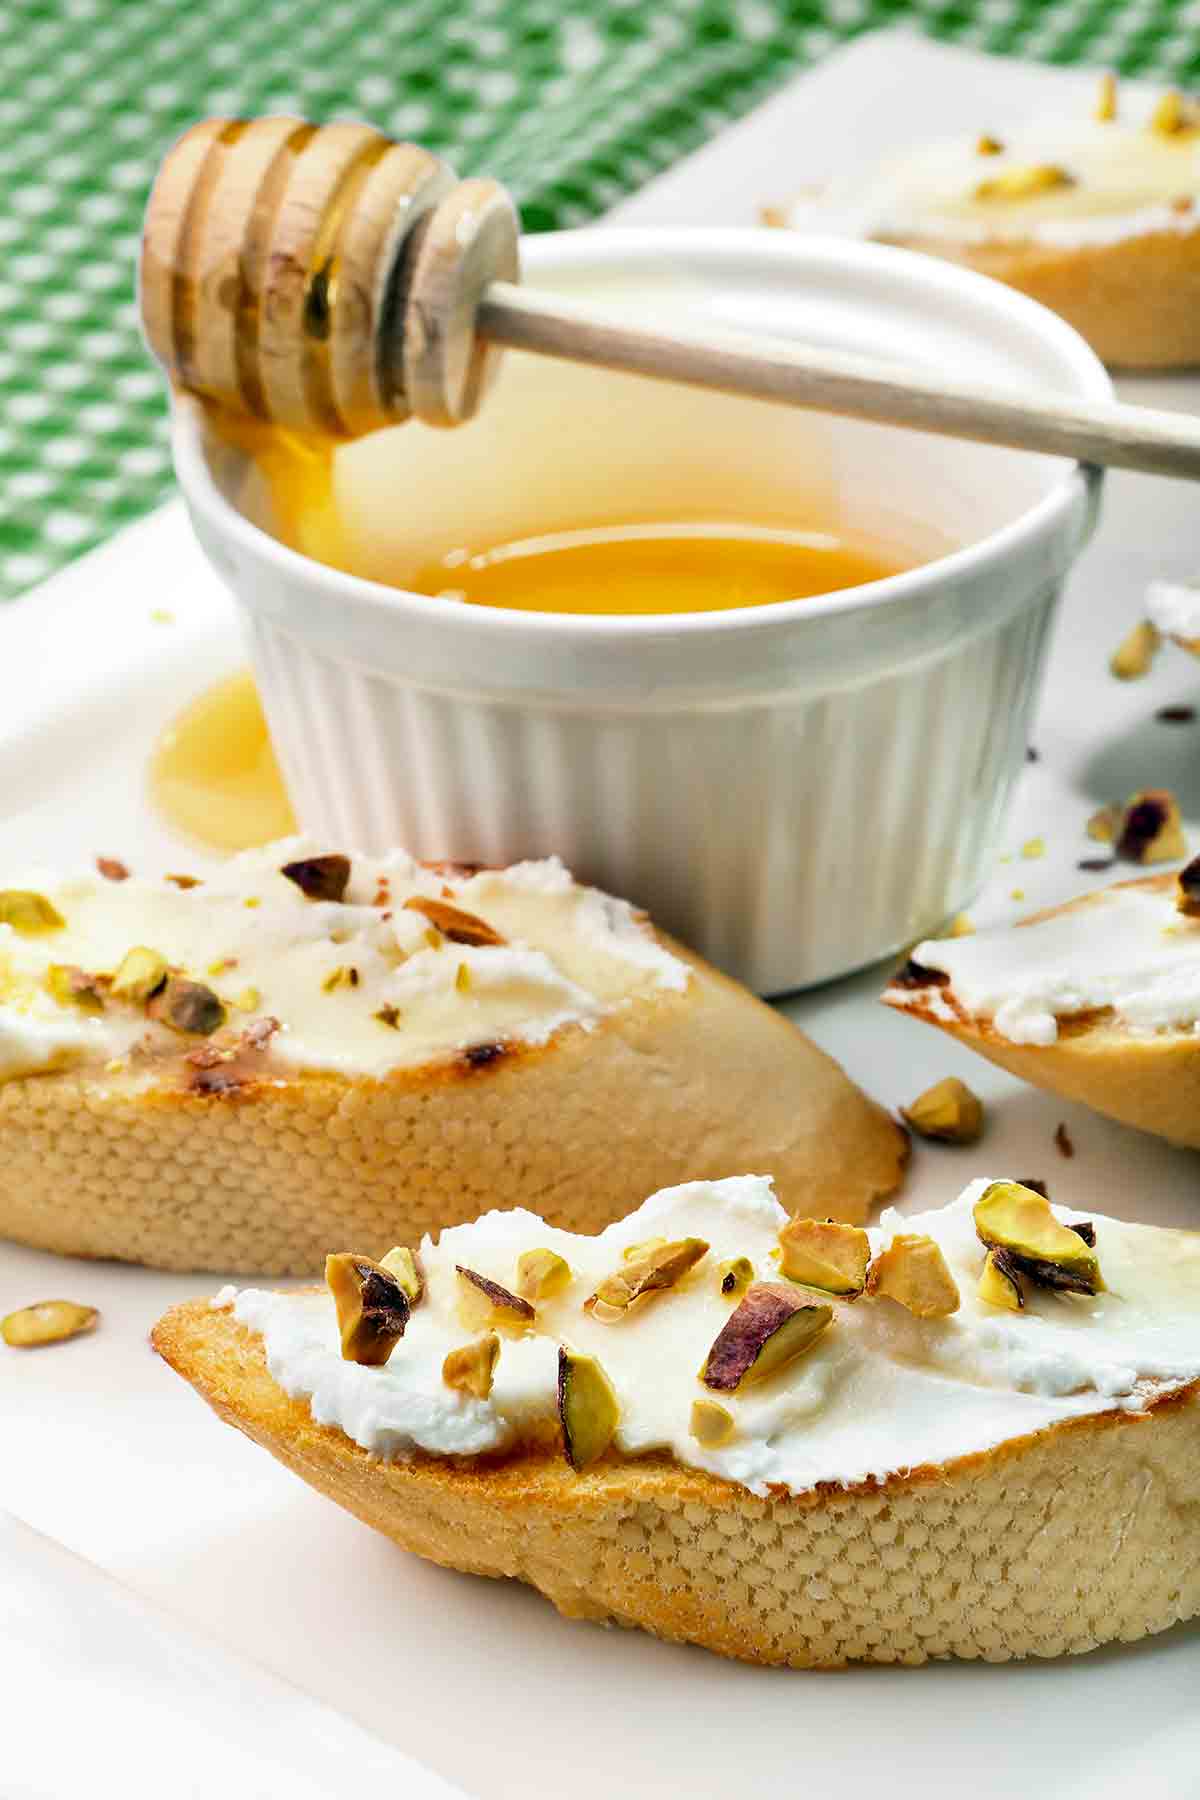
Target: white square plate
[106, 1451]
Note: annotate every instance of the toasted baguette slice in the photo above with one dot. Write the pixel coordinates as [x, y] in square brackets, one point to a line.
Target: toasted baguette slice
[1078, 1535]
[256, 1158]
[1095, 217]
[1147, 1079]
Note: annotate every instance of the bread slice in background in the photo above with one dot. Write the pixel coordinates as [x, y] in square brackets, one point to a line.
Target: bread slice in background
[1148, 1080]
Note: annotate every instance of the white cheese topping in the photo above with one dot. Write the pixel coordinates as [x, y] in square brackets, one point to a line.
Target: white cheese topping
[327, 970]
[1174, 607]
[1125, 180]
[879, 1393]
[1127, 950]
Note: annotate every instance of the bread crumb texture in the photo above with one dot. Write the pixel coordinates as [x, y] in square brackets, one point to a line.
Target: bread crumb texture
[1084, 1534]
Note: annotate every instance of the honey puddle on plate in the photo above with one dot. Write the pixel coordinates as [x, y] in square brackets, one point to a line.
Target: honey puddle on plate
[213, 772]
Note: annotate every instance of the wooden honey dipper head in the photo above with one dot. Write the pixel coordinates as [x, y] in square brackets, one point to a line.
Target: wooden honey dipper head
[322, 278]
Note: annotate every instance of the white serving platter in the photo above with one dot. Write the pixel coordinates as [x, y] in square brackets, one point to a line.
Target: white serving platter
[108, 1453]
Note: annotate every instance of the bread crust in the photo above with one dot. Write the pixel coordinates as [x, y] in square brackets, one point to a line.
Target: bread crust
[266, 1178]
[1135, 300]
[1150, 1082]
[1082, 1534]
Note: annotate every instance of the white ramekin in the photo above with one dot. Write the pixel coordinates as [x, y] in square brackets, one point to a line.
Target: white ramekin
[796, 790]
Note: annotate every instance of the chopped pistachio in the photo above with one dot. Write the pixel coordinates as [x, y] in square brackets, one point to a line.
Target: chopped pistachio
[734, 1276]
[1024, 182]
[913, 1271]
[818, 1253]
[632, 1252]
[29, 914]
[462, 978]
[587, 1408]
[1135, 653]
[402, 1265]
[248, 999]
[1106, 99]
[1151, 828]
[471, 1369]
[1187, 899]
[222, 965]
[947, 1112]
[46, 1322]
[999, 1284]
[541, 1274]
[1017, 894]
[770, 1328]
[1172, 114]
[187, 1006]
[1102, 826]
[661, 1267]
[372, 1307]
[482, 1302]
[987, 145]
[1014, 1219]
[960, 926]
[319, 877]
[452, 922]
[1033, 848]
[711, 1424]
[72, 986]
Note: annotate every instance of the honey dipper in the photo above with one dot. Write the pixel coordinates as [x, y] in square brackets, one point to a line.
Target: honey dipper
[328, 279]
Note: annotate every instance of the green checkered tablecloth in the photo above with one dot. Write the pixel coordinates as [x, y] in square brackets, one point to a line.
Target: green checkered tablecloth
[571, 102]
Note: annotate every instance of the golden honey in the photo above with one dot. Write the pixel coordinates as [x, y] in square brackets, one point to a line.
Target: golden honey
[213, 773]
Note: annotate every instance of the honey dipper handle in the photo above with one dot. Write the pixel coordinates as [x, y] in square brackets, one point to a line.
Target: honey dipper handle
[794, 374]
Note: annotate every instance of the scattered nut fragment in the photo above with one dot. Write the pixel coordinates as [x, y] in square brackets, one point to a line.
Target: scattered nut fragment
[372, 1308]
[1187, 899]
[1063, 1141]
[1173, 113]
[541, 1274]
[485, 1303]
[111, 869]
[388, 1015]
[462, 979]
[29, 914]
[587, 1408]
[1024, 182]
[735, 1276]
[661, 1266]
[471, 1369]
[913, 1271]
[711, 1424]
[319, 877]
[184, 882]
[1134, 654]
[402, 1265]
[986, 145]
[47, 1322]
[1033, 848]
[772, 1326]
[1151, 830]
[139, 975]
[187, 1006]
[961, 925]
[948, 1112]
[1103, 824]
[999, 1284]
[1106, 99]
[1014, 1219]
[821, 1254]
[72, 986]
[1176, 715]
[459, 926]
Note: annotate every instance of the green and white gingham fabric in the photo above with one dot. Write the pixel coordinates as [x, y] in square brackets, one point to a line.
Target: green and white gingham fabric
[572, 102]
